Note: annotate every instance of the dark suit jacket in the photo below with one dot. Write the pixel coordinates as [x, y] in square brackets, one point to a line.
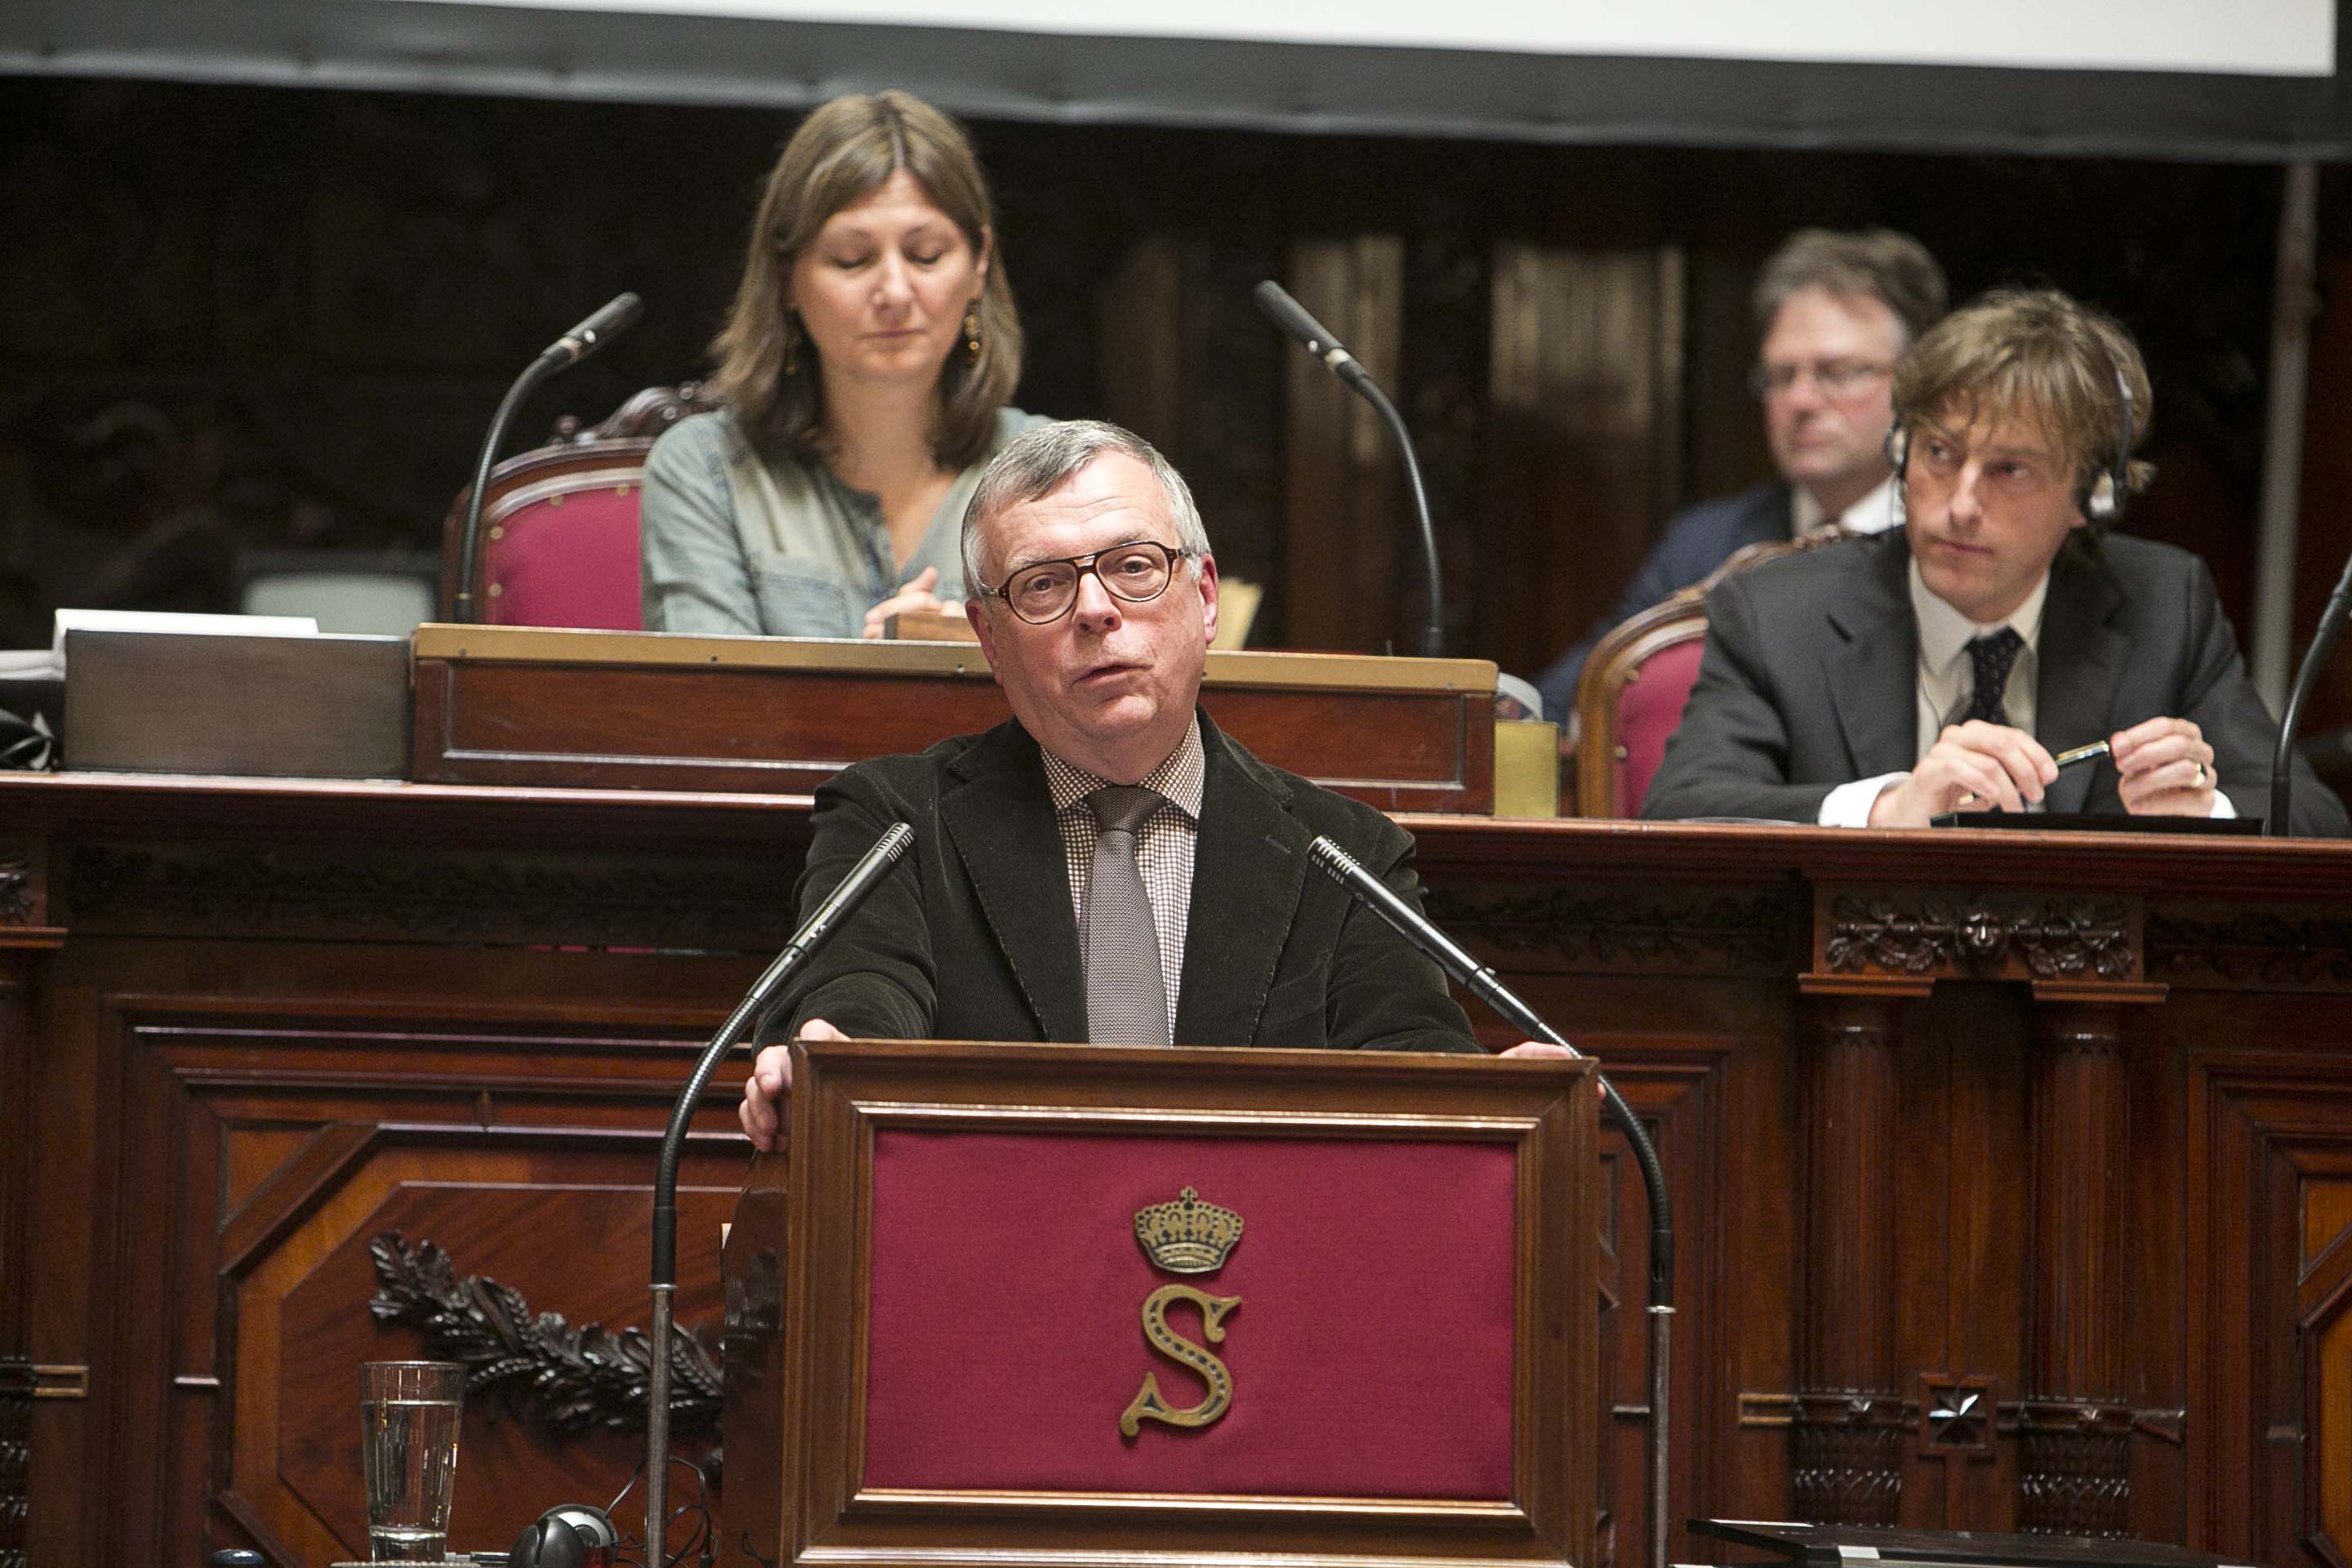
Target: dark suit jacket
[975, 939]
[1810, 681]
[1698, 539]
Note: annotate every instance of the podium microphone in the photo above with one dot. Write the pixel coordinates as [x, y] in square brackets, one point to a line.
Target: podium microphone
[863, 877]
[617, 316]
[1480, 981]
[1317, 340]
[2323, 643]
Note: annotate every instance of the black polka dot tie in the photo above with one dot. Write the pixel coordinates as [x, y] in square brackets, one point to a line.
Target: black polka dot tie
[1991, 657]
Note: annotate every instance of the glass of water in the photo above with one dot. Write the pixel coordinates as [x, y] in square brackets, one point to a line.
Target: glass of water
[409, 1414]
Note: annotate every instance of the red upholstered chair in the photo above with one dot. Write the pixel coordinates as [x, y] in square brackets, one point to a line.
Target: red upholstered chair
[559, 535]
[1630, 695]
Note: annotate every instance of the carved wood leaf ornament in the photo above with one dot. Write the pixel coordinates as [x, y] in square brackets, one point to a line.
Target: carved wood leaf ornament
[1686, 933]
[2051, 939]
[575, 1379]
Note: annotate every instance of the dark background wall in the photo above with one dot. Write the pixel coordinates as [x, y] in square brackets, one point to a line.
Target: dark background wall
[240, 317]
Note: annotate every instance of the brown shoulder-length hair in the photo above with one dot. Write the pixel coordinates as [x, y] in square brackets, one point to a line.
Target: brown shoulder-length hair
[846, 148]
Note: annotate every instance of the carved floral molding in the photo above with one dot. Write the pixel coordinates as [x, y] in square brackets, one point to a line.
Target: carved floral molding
[444, 896]
[1708, 932]
[2259, 947]
[575, 1379]
[1978, 933]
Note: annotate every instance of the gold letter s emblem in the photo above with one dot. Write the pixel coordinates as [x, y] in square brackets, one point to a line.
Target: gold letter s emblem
[1176, 1348]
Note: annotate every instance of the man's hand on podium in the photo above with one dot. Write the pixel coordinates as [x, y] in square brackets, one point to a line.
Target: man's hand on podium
[762, 1110]
[1546, 1048]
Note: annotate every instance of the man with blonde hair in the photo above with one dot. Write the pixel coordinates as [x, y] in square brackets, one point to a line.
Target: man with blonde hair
[1945, 664]
[1833, 312]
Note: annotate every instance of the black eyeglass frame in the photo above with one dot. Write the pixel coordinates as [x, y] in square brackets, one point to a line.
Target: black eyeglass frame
[1081, 566]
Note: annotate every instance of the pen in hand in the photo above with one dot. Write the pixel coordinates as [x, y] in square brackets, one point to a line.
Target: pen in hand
[2063, 760]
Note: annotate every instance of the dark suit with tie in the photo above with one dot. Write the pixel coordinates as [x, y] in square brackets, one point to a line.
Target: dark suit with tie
[1810, 677]
[975, 939]
[1698, 539]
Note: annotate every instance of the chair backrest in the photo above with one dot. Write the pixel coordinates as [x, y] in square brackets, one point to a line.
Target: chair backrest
[559, 534]
[1630, 696]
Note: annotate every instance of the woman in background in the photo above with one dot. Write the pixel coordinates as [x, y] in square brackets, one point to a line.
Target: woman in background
[863, 375]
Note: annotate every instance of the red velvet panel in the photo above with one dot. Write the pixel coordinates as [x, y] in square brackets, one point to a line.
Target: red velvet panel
[569, 566]
[1647, 711]
[1370, 1355]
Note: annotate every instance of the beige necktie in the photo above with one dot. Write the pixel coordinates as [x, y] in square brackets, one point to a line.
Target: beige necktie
[1126, 995]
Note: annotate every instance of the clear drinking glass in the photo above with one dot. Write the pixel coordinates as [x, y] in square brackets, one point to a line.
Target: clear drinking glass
[409, 1414]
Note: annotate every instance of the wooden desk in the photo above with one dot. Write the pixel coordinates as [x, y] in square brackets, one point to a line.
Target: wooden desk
[530, 706]
[2014, 1176]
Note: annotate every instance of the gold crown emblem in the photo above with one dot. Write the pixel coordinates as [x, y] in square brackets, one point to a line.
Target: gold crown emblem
[1187, 1237]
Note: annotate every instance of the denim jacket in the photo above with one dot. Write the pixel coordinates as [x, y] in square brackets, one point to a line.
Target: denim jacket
[734, 544]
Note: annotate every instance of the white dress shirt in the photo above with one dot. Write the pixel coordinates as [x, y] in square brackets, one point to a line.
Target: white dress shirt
[1873, 513]
[1946, 679]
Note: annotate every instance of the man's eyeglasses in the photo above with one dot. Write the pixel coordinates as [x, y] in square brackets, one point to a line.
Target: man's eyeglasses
[1833, 377]
[1044, 590]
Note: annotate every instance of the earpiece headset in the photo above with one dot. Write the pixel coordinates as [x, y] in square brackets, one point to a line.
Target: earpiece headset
[22, 745]
[2103, 502]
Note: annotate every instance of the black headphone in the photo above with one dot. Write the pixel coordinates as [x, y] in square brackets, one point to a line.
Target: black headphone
[22, 745]
[571, 1535]
[2102, 502]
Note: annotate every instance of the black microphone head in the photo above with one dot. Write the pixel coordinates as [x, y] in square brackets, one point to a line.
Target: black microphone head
[623, 311]
[1293, 317]
[616, 316]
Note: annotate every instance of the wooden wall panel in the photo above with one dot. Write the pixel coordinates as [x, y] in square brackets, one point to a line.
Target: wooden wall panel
[17, 1187]
[244, 1066]
[224, 1341]
[2269, 1129]
[1350, 515]
[2323, 1324]
[1584, 400]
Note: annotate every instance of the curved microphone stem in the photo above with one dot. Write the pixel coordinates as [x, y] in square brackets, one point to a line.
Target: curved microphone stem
[2323, 643]
[1293, 317]
[1432, 631]
[863, 878]
[468, 545]
[615, 318]
[1481, 981]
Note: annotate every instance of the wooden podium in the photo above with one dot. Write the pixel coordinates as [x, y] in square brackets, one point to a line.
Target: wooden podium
[1378, 1267]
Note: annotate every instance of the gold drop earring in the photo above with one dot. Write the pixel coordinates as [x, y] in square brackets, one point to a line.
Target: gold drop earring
[971, 334]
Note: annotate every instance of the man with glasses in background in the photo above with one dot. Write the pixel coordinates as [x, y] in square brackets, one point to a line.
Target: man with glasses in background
[1834, 311]
[1107, 866]
[2001, 650]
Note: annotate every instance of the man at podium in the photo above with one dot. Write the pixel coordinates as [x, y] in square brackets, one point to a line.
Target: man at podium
[1106, 867]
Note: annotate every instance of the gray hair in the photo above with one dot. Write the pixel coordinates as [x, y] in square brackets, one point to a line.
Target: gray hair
[1039, 462]
[1874, 263]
